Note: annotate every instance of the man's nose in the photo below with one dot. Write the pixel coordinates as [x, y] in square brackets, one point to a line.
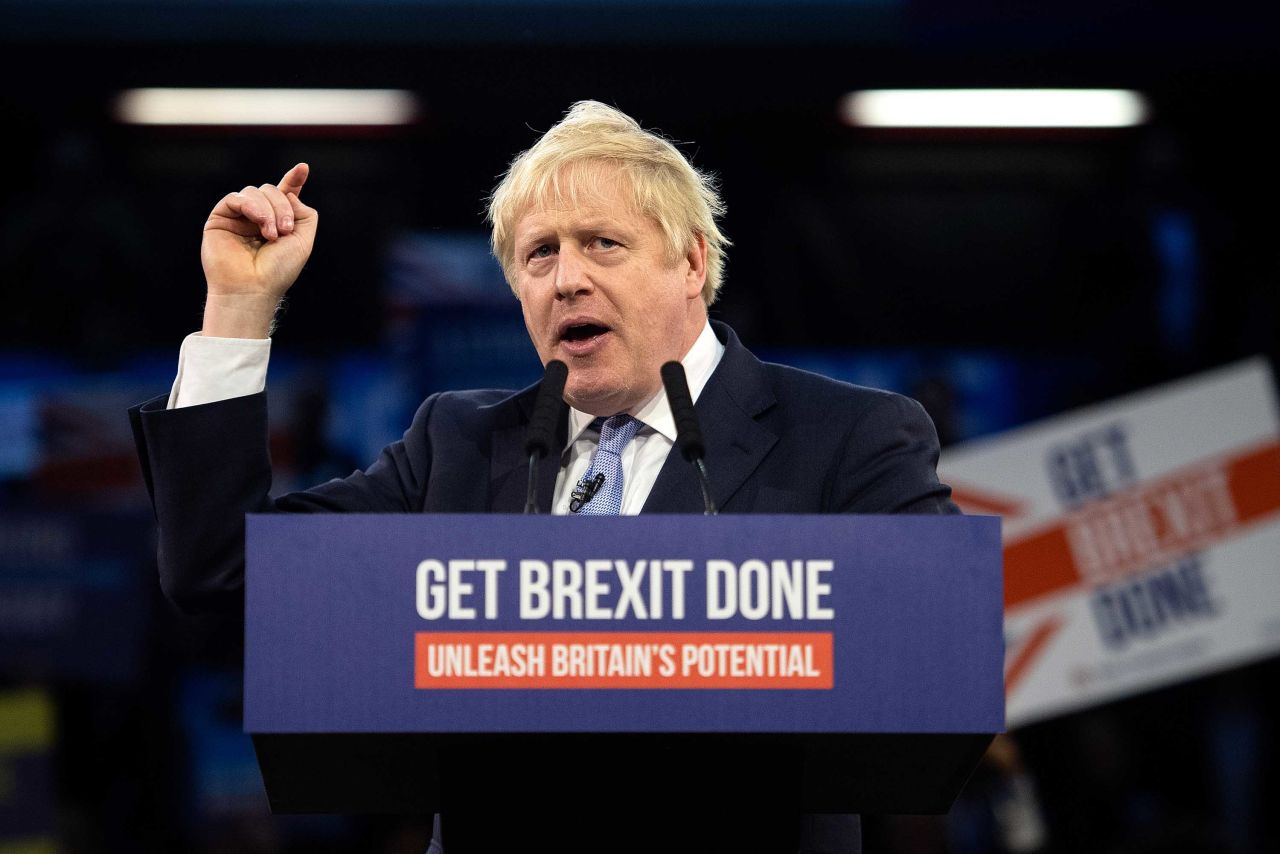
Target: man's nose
[572, 275]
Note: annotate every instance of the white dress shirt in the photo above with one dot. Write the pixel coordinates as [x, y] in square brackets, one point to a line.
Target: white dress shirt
[214, 369]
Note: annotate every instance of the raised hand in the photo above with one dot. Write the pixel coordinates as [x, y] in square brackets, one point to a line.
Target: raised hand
[255, 244]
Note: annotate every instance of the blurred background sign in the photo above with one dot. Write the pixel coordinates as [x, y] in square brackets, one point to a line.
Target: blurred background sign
[75, 595]
[1142, 538]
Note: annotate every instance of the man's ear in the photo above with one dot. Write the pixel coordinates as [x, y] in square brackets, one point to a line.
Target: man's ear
[696, 274]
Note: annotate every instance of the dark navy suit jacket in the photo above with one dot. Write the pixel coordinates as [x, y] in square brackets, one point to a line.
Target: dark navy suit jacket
[778, 440]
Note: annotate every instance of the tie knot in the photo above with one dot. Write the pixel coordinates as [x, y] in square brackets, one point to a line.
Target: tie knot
[616, 431]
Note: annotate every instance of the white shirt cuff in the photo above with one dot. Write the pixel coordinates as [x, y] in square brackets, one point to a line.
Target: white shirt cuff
[213, 369]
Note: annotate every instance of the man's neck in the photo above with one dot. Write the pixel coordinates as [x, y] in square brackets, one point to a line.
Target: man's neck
[699, 364]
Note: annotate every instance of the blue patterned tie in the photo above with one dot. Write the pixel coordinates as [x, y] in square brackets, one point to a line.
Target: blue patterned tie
[615, 433]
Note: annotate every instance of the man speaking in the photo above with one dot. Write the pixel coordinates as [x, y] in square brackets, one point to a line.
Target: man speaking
[608, 238]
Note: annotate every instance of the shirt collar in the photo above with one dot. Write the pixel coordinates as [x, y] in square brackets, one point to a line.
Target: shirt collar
[699, 363]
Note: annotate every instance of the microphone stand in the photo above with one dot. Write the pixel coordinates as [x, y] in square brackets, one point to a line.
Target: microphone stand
[542, 426]
[688, 431]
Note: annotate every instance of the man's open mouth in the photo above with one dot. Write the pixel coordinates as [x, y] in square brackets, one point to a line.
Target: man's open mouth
[583, 332]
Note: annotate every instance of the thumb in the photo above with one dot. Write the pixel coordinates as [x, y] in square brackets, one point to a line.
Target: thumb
[294, 179]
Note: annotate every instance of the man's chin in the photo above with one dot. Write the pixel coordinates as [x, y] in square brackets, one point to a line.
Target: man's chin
[598, 398]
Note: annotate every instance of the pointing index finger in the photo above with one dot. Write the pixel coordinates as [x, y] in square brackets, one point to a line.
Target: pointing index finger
[294, 179]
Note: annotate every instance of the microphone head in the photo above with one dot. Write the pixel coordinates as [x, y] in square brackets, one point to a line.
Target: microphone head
[554, 376]
[688, 432]
[546, 410]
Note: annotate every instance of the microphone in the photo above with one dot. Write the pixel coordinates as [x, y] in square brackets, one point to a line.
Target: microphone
[585, 491]
[688, 433]
[542, 426]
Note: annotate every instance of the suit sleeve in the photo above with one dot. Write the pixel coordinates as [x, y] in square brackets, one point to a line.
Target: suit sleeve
[890, 461]
[206, 466]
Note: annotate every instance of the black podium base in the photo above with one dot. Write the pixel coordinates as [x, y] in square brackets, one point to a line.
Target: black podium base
[616, 774]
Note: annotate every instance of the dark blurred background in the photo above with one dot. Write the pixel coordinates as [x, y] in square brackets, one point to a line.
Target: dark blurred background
[997, 275]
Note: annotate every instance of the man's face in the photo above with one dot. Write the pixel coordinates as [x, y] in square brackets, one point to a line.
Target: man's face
[600, 293]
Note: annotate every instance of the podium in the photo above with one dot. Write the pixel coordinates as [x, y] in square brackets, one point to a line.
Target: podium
[424, 663]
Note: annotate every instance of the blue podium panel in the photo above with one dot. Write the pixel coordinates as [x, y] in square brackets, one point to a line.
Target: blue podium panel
[646, 624]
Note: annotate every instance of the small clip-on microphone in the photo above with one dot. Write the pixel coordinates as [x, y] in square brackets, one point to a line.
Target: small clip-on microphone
[688, 432]
[585, 491]
[542, 426]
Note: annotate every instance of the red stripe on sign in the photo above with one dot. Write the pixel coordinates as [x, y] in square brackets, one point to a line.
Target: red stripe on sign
[1030, 650]
[571, 660]
[1255, 482]
[1038, 565]
[980, 500]
[1153, 523]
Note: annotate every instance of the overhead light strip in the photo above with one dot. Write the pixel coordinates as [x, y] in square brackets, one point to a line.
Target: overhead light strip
[994, 108]
[275, 107]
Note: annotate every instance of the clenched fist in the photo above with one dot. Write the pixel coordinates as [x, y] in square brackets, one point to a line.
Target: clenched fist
[255, 244]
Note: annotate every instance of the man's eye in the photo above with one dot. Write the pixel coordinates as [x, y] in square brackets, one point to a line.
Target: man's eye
[606, 243]
[543, 251]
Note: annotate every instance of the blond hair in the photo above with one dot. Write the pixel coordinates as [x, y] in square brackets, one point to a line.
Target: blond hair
[663, 185]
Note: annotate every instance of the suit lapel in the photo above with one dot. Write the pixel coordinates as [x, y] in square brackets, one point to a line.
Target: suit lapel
[728, 407]
[508, 464]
